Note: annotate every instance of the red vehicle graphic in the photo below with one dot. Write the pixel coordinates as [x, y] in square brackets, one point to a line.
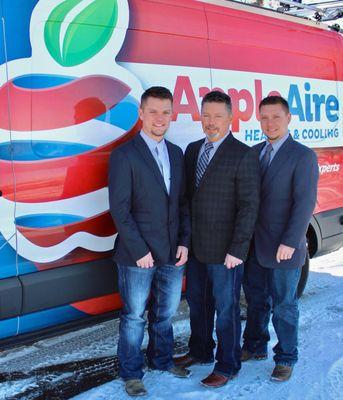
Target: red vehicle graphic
[71, 75]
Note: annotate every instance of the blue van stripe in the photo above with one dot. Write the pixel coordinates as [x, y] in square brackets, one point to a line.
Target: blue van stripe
[8, 327]
[44, 319]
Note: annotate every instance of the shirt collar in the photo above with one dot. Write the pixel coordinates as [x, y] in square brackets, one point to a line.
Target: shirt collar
[152, 144]
[218, 142]
[276, 145]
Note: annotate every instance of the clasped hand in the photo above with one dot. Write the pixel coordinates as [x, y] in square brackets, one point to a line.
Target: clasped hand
[231, 261]
[284, 253]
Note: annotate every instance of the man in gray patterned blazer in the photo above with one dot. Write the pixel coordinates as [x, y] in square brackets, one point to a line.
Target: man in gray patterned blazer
[223, 183]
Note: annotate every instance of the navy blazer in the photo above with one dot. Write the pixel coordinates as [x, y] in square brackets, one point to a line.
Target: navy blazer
[288, 198]
[146, 217]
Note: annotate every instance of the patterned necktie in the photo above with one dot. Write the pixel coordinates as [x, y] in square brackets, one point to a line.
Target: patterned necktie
[265, 160]
[203, 162]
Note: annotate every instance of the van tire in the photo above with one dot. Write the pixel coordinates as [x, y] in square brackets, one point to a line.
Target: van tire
[304, 276]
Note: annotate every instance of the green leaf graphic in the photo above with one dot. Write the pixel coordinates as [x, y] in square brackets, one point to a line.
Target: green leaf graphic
[86, 35]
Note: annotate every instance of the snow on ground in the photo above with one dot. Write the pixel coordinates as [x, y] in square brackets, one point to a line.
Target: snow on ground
[318, 374]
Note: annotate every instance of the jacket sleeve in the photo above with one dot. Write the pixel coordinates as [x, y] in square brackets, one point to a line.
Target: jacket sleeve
[185, 222]
[247, 197]
[120, 185]
[305, 181]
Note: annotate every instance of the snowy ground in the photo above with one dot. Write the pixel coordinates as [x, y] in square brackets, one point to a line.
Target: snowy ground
[32, 372]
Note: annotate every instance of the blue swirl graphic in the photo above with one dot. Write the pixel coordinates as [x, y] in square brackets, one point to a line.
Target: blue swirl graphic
[27, 150]
[47, 220]
[41, 81]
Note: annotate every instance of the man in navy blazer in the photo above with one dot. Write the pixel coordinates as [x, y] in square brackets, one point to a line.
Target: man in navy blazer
[289, 176]
[150, 211]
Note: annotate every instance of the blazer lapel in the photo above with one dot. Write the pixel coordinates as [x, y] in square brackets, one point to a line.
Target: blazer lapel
[172, 162]
[259, 147]
[145, 152]
[278, 161]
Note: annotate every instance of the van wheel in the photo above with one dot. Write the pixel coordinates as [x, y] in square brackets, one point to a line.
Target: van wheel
[304, 275]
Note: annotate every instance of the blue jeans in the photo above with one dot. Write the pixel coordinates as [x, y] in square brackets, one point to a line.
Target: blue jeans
[269, 289]
[214, 288]
[159, 288]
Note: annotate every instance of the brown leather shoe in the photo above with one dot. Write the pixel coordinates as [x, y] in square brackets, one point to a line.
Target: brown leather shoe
[186, 361]
[247, 355]
[215, 380]
[281, 373]
[179, 371]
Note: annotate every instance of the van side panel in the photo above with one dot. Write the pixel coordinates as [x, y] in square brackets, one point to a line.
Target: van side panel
[10, 287]
[63, 125]
[69, 94]
[248, 42]
[167, 33]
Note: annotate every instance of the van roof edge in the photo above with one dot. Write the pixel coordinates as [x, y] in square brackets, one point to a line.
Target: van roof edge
[235, 4]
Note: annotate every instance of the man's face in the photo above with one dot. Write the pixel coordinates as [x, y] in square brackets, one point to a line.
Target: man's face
[156, 115]
[216, 120]
[274, 121]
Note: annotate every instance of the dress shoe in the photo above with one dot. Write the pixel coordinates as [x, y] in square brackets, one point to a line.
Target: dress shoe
[179, 371]
[247, 355]
[176, 370]
[186, 361]
[281, 373]
[135, 387]
[215, 380]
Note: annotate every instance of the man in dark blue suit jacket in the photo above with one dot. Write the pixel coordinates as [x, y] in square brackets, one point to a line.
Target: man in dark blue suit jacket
[288, 197]
[150, 211]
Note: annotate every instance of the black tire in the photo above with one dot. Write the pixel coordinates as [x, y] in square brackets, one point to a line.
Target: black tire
[304, 275]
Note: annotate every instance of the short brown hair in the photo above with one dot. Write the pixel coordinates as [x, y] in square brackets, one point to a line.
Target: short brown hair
[274, 100]
[158, 92]
[217, 96]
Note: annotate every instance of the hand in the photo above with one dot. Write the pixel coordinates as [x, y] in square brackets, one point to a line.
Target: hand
[284, 253]
[145, 262]
[231, 261]
[182, 254]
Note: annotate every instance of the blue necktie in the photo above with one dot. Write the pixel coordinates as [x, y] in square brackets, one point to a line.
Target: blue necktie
[159, 161]
[163, 170]
[203, 162]
[265, 160]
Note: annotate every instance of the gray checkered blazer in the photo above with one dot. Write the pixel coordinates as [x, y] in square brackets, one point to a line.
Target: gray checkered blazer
[224, 206]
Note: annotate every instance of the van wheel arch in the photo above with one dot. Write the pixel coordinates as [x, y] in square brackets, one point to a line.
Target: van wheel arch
[312, 247]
